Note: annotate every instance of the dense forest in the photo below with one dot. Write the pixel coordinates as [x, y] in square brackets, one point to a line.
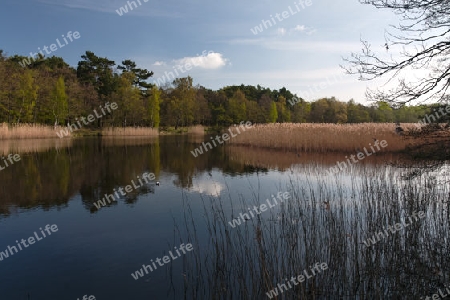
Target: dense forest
[49, 91]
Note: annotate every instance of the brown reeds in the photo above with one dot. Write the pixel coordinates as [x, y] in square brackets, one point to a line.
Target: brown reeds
[251, 259]
[198, 130]
[129, 131]
[28, 131]
[309, 137]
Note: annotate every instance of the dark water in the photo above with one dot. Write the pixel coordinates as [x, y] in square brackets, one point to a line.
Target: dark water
[95, 250]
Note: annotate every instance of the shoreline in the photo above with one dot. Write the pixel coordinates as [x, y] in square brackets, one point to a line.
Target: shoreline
[288, 137]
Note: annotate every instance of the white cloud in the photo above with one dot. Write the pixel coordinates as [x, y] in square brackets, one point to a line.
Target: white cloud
[281, 31]
[204, 186]
[212, 60]
[300, 28]
[159, 63]
[303, 29]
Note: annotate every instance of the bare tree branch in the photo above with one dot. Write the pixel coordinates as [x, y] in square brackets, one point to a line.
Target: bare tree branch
[424, 37]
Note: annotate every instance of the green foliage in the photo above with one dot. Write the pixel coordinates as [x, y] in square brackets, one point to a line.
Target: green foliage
[98, 72]
[237, 110]
[153, 107]
[182, 101]
[26, 95]
[59, 104]
[49, 91]
[140, 75]
[273, 114]
[129, 99]
[384, 112]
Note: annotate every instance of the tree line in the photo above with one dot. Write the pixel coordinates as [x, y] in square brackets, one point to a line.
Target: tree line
[50, 91]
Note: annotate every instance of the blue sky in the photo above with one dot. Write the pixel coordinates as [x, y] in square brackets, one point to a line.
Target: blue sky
[302, 50]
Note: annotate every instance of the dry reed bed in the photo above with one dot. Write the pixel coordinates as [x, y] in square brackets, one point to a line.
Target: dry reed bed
[130, 131]
[247, 261]
[310, 137]
[198, 129]
[28, 131]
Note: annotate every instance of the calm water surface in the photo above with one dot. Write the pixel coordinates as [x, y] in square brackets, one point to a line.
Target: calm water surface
[95, 251]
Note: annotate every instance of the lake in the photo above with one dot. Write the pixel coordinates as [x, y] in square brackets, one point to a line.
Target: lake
[217, 225]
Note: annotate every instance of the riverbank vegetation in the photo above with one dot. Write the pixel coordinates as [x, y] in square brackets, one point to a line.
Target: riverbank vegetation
[324, 137]
[27, 131]
[51, 92]
[327, 219]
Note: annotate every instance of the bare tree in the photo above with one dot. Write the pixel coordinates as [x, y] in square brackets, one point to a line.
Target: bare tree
[423, 38]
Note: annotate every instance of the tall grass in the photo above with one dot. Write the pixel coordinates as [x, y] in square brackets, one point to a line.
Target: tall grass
[198, 129]
[247, 261]
[27, 131]
[310, 137]
[129, 131]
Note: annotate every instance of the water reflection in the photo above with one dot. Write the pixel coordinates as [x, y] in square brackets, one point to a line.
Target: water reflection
[327, 219]
[53, 171]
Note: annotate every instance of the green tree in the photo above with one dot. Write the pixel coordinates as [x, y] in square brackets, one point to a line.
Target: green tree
[59, 101]
[237, 110]
[129, 99]
[202, 112]
[273, 114]
[384, 112]
[140, 75]
[319, 110]
[98, 72]
[27, 96]
[301, 111]
[154, 107]
[183, 101]
[284, 114]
